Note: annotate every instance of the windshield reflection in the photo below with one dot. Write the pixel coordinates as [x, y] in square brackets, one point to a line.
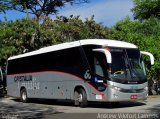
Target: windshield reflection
[126, 66]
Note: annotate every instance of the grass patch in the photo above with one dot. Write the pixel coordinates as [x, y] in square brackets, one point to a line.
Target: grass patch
[154, 96]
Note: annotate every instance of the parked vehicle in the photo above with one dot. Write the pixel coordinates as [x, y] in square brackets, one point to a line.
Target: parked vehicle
[2, 82]
[154, 84]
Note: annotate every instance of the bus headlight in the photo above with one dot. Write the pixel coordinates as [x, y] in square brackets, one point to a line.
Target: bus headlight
[115, 88]
[146, 88]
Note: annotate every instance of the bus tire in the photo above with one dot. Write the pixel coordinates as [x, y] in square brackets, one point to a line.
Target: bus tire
[23, 94]
[80, 98]
[76, 102]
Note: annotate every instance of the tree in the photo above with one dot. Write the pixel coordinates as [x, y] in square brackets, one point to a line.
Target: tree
[6, 50]
[145, 9]
[73, 28]
[144, 34]
[40, 7]
[3, 6]
[17, 36]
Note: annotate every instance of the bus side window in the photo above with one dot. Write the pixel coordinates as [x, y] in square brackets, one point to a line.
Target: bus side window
[98, 68]
[100, 64]
[73, 58]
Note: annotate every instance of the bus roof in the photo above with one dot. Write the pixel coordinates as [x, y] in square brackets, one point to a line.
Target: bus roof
[102, 42]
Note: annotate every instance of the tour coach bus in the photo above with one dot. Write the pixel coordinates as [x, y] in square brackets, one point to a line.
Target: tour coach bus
[86, 70]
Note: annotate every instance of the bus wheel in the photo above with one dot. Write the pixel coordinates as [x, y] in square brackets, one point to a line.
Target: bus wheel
[24, 97]
[80, 98]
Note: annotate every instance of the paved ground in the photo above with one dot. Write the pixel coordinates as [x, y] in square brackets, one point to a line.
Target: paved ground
[14, 109]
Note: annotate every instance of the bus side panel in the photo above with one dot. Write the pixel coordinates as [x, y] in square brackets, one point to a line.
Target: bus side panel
[12, 87]
[49, 85]
[49, 77]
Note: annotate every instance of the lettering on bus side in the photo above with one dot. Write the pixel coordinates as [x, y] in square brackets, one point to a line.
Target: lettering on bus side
[23, 78]
[28, 81]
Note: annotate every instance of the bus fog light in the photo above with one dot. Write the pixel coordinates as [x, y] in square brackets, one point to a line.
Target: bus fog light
[115, 96]
[116, 88]
[146, 88]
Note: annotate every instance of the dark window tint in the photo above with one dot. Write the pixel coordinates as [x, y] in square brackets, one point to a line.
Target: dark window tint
[73, 58]
[62, 60]
[88, 49]
[100, 64]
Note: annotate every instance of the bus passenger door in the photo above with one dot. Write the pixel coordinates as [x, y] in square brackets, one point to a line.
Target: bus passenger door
[100, 71]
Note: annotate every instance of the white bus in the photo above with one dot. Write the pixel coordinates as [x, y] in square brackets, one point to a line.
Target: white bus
[86, 70]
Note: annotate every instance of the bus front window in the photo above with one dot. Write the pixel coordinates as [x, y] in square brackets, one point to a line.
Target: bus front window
[118, 65]
[137, 67]
[126, 66]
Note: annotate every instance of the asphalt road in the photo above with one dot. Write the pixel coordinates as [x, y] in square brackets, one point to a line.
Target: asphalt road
[11, 108]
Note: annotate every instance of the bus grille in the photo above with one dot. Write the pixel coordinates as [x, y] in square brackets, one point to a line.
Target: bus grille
[132, 90]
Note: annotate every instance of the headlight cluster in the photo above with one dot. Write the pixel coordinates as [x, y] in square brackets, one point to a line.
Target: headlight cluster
[129, 90]
[146, 88]
[115, 88]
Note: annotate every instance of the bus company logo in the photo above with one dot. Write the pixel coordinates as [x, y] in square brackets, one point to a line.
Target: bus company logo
[134, 75]
[87, 75]
[27, 81]
[23, 78]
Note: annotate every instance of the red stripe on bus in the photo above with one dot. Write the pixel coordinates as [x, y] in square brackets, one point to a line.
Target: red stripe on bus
[107, 49]
[62, 73]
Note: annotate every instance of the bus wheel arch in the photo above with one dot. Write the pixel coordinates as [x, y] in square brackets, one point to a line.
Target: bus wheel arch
[80, 96]
[23, 95]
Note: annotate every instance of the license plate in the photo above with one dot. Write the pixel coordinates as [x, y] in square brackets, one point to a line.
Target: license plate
[133, 97]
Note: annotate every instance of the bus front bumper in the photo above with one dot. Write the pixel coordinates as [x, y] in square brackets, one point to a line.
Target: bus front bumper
[118, 96]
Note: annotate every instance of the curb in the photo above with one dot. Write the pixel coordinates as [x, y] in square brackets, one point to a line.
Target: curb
[154, 96]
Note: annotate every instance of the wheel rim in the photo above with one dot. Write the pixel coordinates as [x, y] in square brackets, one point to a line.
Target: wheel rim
[80, 97]
[24, 96]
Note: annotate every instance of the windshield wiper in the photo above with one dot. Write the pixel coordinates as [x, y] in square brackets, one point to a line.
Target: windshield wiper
[130, 66]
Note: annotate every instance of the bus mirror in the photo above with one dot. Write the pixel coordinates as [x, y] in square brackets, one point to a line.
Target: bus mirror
[150, 56]
[107, 54]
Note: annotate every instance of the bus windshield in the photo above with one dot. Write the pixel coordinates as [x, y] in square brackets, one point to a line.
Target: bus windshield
[127, 66]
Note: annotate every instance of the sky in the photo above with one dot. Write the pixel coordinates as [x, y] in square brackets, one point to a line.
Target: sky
[107, 12]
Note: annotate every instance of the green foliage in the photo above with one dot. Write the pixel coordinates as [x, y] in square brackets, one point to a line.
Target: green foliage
[145, 32]
[15, 37]
[71, 29]
[3, 6]
[146, 35]
[145, 9]
[23, 34]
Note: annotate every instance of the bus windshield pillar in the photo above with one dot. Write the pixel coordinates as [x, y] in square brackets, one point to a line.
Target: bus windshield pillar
[107, 54]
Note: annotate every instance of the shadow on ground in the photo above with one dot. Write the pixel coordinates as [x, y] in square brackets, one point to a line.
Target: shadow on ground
[155, 109]
[38, 108]
[90, 105]
[18, 110]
